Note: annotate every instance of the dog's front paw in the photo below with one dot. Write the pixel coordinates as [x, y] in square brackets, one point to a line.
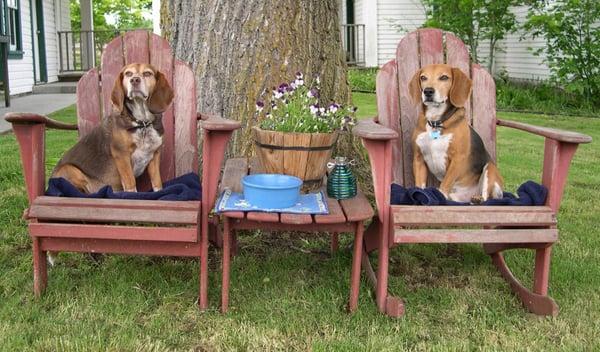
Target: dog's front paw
[134, 189]
[477, 200]
[156, 189]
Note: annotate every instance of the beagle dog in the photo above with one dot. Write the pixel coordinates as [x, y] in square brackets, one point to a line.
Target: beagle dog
[126, 142]
[443, 141]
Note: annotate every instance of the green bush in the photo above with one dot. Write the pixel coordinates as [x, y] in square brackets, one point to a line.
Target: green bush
[362, 79]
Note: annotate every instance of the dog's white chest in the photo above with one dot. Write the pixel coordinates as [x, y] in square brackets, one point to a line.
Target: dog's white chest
[435, 151]
[147, 141]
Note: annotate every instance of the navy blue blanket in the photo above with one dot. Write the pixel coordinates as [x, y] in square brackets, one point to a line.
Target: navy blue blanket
[530, 193]
[184, 187]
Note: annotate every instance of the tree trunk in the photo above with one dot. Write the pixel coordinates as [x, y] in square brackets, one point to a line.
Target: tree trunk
[237, 49]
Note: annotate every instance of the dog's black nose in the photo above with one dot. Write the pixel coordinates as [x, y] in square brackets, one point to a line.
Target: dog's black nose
[428, 92]
[135, 80]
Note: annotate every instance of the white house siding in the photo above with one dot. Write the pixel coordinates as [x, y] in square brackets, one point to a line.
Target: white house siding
[394, 19]
[516, 59]
[21, 71]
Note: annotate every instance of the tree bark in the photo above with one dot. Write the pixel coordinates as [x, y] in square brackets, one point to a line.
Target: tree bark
[238, 49]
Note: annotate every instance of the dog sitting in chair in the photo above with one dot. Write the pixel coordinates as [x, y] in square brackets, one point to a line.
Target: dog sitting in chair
[443, 141]
[128, 141]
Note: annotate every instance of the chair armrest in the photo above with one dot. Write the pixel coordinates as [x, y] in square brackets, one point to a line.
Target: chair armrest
[217, 123]
[559, 149]
[21, 118]
[552, 133]
[369, 129]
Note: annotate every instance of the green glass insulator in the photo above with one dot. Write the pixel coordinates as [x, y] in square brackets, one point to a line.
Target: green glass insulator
[341, 183]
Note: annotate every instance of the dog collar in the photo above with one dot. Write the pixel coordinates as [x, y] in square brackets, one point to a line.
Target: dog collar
[437, 125]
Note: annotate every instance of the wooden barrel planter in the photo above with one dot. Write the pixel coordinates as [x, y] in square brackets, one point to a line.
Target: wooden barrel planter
[304, 155]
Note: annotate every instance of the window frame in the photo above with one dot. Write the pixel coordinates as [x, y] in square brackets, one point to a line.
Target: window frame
[15, 50]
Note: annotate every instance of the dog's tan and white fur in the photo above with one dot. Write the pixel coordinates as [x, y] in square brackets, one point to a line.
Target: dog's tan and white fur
[443, 141]
[128, 141]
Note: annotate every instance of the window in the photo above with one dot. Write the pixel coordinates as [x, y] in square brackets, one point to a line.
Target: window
[11, 16]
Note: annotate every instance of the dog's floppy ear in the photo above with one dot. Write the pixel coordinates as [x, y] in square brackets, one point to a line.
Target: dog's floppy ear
[162, 95]
[414, 87]
[461, 88]
[117, 96]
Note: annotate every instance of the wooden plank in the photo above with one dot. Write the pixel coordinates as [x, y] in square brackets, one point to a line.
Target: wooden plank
[295, 219]
[476, 236]
[407, 57]
[262, 216]
[234, 170]
[484, 108]
[134, 233]
[270, 159]
[335, 216]
[136, 47]
[92, 245]
[88, 102]
[295, 163]
[457, 55]
[357, 208]
[117, 203]
[161, 57]
[113, 214]
[316, 164]
[388, 109]
[474, 215]
[185, 142]
[547, 132]
[112, 63]
[431, 46]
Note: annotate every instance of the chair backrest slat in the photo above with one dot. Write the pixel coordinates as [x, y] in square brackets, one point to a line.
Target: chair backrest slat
[388, 109]
[417, 49]
[179, 152]
[186, 146]
[89, 101]
[484, 108]
[407, 57]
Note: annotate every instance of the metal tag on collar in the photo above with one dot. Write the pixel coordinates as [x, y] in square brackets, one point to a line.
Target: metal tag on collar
[435, 133]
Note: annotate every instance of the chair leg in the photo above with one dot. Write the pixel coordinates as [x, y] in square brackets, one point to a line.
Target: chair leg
[204, 234]
[374, 239]
[542, 270]
[356, 259]
[225, 264]
[40, 270]
[536, 301]
[334, 242]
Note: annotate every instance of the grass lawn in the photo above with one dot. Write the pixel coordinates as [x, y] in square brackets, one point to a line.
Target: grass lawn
[285, 299]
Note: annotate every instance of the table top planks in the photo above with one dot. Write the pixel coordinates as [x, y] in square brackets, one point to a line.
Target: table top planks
[342, 211]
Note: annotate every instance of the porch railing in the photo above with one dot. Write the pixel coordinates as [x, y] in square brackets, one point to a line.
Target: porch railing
[353, 40]
[82, 50]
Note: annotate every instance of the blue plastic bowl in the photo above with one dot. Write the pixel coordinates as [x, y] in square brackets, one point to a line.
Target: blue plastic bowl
[271, 191]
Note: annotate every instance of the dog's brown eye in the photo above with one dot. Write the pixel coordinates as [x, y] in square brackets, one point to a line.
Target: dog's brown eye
[147, 74]
[443, 78]
[423, 78]
[128, 74]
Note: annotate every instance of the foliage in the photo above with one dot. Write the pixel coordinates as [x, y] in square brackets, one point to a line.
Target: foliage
[572, 50]
[362, 79]
[124, 13]
[294, 107]
[473, 21]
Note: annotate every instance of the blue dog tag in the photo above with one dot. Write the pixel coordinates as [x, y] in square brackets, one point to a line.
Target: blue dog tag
[434, 134]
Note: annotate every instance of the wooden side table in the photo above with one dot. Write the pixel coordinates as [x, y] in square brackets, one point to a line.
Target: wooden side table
[344, 216]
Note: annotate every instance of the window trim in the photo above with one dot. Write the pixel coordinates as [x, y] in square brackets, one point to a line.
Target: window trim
[18, 52]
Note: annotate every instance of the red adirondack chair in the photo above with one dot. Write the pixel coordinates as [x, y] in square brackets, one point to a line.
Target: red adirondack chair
[97, 225]
[388, 142]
